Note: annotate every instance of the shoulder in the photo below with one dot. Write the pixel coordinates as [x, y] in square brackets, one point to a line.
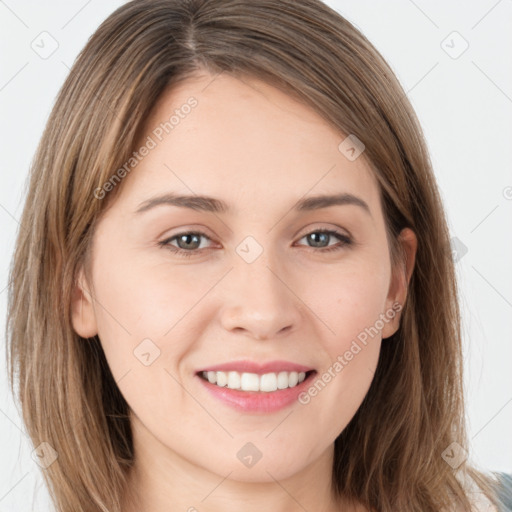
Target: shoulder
[505, 490]
[480, 502]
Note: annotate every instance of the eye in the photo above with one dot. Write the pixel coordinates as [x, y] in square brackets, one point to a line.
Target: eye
[189, 242]
[319, 237]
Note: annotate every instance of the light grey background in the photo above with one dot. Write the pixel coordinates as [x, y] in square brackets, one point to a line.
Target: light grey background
[464, 103]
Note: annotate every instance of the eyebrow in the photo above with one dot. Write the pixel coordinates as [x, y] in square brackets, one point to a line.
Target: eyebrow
[213, 205]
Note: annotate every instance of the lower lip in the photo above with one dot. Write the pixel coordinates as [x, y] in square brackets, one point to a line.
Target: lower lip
[257, 401]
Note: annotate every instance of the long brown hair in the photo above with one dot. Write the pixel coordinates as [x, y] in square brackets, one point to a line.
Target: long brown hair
[390, 456]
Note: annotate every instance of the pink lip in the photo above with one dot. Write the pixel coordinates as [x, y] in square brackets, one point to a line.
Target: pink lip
[258, 401]
[246, 366]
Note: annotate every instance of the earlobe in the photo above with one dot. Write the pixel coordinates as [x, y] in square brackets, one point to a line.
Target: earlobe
[82, 309]
[400, 281]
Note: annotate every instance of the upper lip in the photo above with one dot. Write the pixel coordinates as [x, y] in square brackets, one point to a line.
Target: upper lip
[247, 366]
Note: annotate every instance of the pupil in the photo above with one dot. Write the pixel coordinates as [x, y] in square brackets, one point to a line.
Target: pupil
[315, 237]
[185, 237]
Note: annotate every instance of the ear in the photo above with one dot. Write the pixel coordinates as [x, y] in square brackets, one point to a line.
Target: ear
[82, 308]
[401, 276]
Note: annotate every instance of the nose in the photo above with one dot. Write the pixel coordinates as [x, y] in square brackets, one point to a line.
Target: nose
[260, 301]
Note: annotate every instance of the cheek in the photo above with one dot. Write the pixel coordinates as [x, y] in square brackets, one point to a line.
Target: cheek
[350, 304]
[144, 317]
[149, 316]
[348, 301]
[343, 382]
[143, 297]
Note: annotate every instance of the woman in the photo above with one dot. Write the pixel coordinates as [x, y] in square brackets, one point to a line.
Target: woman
[259, 367]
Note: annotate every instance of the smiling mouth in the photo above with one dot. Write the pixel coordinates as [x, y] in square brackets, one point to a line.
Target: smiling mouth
[245, 381]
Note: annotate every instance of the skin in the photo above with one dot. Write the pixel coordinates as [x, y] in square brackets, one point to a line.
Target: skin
[260, 151]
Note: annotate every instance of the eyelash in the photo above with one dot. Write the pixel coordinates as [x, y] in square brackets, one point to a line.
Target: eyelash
[344, 239]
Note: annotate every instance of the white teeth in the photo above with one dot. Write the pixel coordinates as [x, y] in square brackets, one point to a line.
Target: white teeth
[222, 379]
[282, 380]
[267, 382]
[293, 379]
[250, 382]
[233, 380]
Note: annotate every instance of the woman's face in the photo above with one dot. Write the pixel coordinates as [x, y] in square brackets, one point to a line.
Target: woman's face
[255, 281]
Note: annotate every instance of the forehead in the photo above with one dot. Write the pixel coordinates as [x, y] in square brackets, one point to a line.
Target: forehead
[223, 136]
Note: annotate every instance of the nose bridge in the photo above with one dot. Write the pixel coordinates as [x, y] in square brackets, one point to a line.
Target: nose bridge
[258, 300]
